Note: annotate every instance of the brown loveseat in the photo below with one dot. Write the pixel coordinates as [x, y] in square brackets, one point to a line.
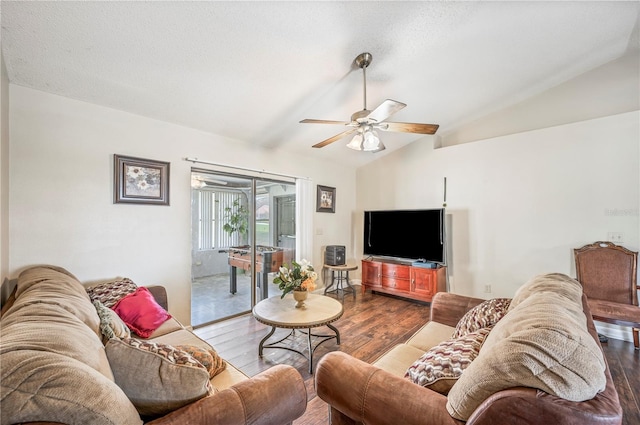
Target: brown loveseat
[361, 393]
[55, 369]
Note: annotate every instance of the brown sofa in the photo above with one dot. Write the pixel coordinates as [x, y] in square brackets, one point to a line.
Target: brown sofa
[361, 393]
[54, 367]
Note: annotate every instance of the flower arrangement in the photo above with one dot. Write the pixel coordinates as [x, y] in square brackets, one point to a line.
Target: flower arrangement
[298, 277]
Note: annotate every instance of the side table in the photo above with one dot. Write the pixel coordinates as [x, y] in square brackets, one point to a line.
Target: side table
[339, 276]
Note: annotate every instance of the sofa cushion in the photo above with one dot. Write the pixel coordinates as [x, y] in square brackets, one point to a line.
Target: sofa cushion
[140, 311]
[44, 386]
[542, 343]
[484, 315]
[157, 378]
[111, 325]
[109, 293]
[206, 357]
[51, 328]
[441, 366]
[55, 286]
[557, 285]
[398, 359]
[430, 335]
[168, 327]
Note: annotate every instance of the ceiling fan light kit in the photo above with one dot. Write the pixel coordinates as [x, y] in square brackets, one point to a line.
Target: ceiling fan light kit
[366, 140]
[371, 141]
[365, 122]
[356, 142]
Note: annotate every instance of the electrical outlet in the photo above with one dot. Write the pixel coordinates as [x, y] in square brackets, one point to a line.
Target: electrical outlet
[487, 289]
[615, 237]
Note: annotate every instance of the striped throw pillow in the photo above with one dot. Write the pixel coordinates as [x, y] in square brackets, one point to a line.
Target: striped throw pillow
[441, 366]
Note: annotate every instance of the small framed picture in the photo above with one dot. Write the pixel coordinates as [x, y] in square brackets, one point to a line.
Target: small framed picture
[140, 181]
[326, 201]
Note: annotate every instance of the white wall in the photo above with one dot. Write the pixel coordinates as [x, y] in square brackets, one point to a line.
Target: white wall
[520, 203]
[4, 170]
[61, 201]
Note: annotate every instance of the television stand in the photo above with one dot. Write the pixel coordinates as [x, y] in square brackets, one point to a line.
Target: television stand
[402, 279]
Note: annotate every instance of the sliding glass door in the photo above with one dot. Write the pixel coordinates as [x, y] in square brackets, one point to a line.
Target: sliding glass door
[243, 230]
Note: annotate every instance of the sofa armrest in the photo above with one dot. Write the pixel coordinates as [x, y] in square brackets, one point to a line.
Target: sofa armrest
[367, 394]
[160, 295]
[274, 397]
[448, 308]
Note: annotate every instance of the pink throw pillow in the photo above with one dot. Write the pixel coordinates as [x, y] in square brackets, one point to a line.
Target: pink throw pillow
[141, 313]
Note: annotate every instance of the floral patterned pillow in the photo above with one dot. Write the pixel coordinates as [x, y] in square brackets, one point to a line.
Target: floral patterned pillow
[207, 357]
[111, 325]
[483, 315]
[440, 367]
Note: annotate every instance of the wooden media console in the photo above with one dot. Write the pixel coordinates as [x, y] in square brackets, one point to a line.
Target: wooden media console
[403, 280]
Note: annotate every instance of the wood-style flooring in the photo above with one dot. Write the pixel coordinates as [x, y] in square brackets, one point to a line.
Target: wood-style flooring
[371, 325]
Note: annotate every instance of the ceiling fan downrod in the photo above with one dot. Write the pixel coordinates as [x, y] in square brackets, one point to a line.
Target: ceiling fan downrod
[363, 60]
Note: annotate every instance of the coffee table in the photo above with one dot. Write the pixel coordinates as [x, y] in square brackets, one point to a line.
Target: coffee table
[318, 310]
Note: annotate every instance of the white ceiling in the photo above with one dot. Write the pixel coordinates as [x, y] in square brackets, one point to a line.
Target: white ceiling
[252, 70]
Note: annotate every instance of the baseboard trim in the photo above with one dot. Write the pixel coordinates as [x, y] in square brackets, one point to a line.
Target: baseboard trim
[623, 333]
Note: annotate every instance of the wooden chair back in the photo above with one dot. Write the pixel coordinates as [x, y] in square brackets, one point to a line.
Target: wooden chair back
[607, 272]
[609, 278]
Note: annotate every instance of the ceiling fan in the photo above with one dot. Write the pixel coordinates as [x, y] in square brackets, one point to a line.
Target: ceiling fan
[199, 182]
[365, 122]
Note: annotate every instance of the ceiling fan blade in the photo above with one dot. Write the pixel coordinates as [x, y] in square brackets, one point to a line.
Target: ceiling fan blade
[334, 138]
[308, 121]
[408, 127]
[385, 110]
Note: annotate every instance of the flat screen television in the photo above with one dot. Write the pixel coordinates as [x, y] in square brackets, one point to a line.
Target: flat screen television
[405, 234]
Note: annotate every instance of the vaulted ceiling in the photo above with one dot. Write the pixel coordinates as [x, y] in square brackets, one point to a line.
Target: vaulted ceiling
[251, 71]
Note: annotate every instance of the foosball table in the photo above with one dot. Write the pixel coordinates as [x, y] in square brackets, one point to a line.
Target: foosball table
[268, 260]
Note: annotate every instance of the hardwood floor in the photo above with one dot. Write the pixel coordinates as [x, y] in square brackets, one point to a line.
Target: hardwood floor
[371, 325]
[624, 363]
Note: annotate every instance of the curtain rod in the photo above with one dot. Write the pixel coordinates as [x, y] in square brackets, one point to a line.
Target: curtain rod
[217, 164]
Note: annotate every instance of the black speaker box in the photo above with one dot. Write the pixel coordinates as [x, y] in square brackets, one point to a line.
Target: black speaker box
[335, 255]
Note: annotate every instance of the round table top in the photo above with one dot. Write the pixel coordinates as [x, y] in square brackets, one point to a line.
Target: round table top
[344, 267]
[318, 310]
